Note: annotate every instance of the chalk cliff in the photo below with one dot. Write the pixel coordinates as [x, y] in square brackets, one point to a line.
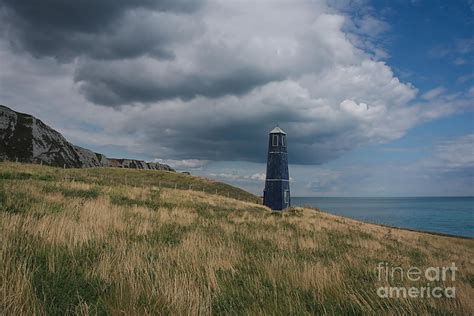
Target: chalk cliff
[28, 139]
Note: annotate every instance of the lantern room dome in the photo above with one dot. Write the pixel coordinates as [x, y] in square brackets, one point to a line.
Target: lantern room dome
[277, 130]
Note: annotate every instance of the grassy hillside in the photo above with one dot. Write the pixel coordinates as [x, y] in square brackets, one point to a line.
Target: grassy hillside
[100, 177]
[111, 241]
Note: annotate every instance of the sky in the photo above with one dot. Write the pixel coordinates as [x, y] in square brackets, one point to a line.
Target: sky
[376, 97]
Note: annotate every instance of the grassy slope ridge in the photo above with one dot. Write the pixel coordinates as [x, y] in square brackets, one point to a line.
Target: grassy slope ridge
[110, 241]
[101, 177]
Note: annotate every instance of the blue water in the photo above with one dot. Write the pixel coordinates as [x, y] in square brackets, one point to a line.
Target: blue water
[449, 215]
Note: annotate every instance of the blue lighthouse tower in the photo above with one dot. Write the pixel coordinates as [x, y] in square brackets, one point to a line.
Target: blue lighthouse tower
[277, 185]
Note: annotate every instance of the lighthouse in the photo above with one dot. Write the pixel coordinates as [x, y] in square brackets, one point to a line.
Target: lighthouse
[277, 185]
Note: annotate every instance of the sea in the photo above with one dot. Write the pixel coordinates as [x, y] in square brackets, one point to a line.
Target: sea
[447, 215]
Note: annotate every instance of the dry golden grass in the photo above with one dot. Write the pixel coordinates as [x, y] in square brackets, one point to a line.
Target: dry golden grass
[78, 247]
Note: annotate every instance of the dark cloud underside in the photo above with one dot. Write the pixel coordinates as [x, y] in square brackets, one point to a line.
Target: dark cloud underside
[113, 85]
[208, 80]
[66, 29]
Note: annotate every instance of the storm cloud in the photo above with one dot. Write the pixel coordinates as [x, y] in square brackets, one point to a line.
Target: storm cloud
[206, 80]
[147, 51]
[106, 29]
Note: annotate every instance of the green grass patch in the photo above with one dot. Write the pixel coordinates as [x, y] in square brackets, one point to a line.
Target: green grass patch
[248, 290]
[242, 291]
[15, 202]
[18, 202]
[72, 193]
[255, 248]
[123, 200]
[82, 194]
[168, 234]
[54, 207]
[6, 175]
[331, 304]
[68, 285]
[15, 175]
[3, 196]
[152, 202]
[45, 177]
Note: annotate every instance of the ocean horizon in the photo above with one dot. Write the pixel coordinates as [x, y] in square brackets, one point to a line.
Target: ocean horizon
[453, 215]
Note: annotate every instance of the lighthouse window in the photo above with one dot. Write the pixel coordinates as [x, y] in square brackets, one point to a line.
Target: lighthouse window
[287, 196]
[275, 140]
[283, 141]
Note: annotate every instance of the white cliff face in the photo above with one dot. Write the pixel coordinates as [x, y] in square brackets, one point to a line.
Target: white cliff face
[91, 159]
[27, 138]
[15, 131]
[51, 147]
[8, 119]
